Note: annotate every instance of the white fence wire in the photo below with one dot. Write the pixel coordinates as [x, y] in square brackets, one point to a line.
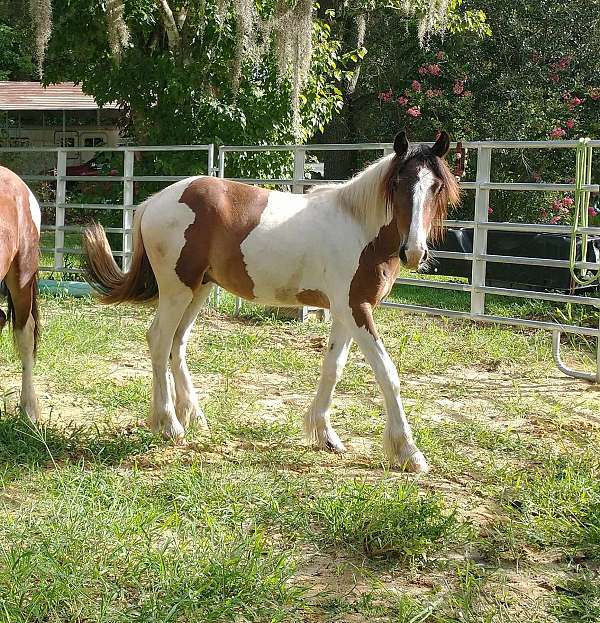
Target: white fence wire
[480, 258]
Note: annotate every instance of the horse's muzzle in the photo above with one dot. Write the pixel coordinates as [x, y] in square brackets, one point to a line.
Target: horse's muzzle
[413, 258]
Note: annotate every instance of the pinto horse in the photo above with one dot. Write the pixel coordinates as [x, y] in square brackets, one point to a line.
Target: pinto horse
[337, 247]
[19, 258]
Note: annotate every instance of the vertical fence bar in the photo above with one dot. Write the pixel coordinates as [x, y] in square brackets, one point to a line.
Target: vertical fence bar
[211, 159]
[221, 174]
[221, 162]
[128, 163]
[482, 201]
[59, 210]
[299, 162]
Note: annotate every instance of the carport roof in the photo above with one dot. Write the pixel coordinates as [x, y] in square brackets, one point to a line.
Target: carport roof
[34, 96]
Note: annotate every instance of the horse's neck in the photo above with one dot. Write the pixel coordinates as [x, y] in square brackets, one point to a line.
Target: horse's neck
[362, 196]
[387, 242]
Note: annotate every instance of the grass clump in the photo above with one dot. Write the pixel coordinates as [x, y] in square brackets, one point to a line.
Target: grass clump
[578, 599]
[555, 506]
[387, 519]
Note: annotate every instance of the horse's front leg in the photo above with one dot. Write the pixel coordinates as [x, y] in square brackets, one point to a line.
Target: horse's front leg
[317, 425]
[398, 441]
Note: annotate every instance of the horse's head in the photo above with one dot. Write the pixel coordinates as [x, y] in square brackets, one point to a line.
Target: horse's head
[418, 188]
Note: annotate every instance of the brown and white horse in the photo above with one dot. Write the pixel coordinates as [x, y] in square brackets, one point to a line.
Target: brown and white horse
[338, 247]
[19, 258]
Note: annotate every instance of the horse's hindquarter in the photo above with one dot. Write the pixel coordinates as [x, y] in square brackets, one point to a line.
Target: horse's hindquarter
[303, 251]
[19, 227]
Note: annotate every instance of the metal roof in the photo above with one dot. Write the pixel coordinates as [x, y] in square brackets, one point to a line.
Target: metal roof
[34, 96]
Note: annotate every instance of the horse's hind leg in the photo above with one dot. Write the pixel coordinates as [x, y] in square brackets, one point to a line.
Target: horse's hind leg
[317, 425]
[186, 402]
[171, 308]
[22, 303]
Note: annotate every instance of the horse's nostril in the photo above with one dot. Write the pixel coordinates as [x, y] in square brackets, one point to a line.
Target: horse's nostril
[403, 254]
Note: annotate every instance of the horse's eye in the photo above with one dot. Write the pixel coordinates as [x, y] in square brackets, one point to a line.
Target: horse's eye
[440, 188]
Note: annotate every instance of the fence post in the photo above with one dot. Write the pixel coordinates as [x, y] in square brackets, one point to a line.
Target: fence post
[211, 160]
[221, 174]
[59, 210]
[482, 201]
[128, 160]
[221, 162]
[299, 162]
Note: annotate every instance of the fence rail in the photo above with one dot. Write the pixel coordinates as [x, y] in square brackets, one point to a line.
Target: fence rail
[482, 185]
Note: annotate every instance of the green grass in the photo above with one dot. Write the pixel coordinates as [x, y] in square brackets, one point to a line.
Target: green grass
[387, 520]
[102, 521]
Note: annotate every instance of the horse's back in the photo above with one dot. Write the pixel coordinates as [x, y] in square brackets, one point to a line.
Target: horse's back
[262, 245]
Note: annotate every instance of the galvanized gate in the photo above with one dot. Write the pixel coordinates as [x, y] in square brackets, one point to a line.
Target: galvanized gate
[480, 258]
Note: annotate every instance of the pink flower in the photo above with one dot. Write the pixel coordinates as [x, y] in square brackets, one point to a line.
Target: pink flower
[595, 93]
[402, 100]
[422, 70]
[386, 96]
[554, 78]
[490, 211]
[570, 124]
[592, 212]
[557, 133]
[416, 85]
[555, 219]
[440, 56]
[414, 111]
[568, 201]
[562, 64]
[459, 87]
[434, 69]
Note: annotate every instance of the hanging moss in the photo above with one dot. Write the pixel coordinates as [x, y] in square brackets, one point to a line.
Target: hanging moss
[41, 18]
[117, 31]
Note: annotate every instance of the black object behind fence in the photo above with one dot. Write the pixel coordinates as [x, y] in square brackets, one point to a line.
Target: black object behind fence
[517, 244]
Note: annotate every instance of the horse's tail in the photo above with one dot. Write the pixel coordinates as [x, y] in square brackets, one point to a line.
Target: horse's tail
[11, 316]
[138, 284]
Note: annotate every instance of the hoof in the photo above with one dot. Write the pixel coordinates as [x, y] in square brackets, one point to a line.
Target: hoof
[197, 418]
[174, 432]
[31, 410]
[415, 464]
[332, 442]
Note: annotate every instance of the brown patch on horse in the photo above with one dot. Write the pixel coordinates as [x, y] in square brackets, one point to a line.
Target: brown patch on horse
[377, 269]
[225, 213]
[314, 298]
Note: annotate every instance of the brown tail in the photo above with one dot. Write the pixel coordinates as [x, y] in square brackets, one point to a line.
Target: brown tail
[11, 317]
[103, 274]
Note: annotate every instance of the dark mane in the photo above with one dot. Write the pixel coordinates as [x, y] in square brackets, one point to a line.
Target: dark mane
[449, 195]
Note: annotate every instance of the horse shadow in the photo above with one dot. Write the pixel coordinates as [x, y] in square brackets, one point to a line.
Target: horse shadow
[28, 445]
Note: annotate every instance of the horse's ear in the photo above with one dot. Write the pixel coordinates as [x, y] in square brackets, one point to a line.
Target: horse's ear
[442, 145]
[401, 144]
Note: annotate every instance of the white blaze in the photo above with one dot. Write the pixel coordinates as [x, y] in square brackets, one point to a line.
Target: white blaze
[417, 237]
